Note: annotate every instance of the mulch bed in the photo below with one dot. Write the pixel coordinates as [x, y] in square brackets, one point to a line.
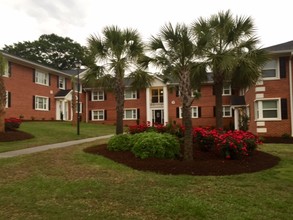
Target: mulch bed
[204, 163]
[14, 135]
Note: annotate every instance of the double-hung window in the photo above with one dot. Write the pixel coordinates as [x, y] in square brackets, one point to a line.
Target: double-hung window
[130, 114]
[6, 68]
[194, 112]
[270, 70]
[98, 115]
[41, 78]
[98, 95]
[227, 111]
[41, 103]
[61, 82]
[268, 109]
[157, 96]
[130, 94]
[226, 89]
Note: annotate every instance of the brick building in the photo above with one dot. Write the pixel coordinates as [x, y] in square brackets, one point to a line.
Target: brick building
[38, 92]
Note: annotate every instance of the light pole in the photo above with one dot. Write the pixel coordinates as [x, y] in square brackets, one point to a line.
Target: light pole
[77, 65]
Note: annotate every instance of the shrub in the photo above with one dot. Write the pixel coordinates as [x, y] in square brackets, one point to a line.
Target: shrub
[205, 138]
[155, 145]
[12, 123]
[119, 142]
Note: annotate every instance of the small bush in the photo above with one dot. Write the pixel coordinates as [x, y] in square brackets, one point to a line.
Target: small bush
[119, 142]
[12, 123]
[155, 145]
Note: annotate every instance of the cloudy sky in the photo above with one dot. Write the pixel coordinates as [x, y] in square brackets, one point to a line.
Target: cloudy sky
[26, 20]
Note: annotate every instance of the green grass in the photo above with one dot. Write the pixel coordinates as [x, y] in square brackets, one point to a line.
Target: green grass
[70, 184]
[54, 132]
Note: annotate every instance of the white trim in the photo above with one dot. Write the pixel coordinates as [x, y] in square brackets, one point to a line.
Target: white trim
[133, 94]
[45, 78]
[227, 116]
[166, 110]
[98, 95]
[259, 106]
[276, 69]
[47, 103]
[259, 96]
[130, 109]
[225, 88]
[98, 110]
[148, 105]
[64, 82]
[260, 89]
[192, 111]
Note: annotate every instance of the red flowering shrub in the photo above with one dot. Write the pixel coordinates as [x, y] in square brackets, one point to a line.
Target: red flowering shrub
[205, 138]
[134, 129]
[12, 123]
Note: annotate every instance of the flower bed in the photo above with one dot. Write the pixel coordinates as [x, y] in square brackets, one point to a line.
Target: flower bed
[12, 123]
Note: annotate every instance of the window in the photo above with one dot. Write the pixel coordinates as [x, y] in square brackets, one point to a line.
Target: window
[41, 103]
[42, 78]
[98, 95]
[130, 114]
[267, 109]
[130, 94]
[6, 69]
[227, 111]
[227, 89]
[157, 96]
[77, 87]
[7, 100]
[61, 82]
[270, 69]
[80, 107]
[194, 112]
[98, 115]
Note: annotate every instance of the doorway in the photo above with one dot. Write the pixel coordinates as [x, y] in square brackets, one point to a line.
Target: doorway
[158, 116]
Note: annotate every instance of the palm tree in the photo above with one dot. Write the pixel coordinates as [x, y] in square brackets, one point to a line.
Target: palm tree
[113, 57]
[2, 95]
[173, 51]
[229, 49]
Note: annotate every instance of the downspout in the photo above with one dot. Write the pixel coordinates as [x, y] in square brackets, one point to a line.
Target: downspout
[291, 92]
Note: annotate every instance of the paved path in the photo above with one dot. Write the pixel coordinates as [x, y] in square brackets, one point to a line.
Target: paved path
[49, 146]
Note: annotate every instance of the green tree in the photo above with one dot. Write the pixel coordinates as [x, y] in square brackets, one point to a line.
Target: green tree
[173, 50]
[50, 50]
[114, 56]
[229, 48]
[2, 94]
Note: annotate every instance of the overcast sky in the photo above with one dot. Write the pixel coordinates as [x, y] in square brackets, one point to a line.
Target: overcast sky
[26, 20]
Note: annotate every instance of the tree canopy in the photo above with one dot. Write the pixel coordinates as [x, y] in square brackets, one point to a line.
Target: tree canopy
[50, 50]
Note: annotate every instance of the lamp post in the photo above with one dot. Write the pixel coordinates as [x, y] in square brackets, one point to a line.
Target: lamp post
[77, 65]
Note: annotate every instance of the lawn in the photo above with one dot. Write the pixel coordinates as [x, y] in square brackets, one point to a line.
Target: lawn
[70, 184]
[54, 132]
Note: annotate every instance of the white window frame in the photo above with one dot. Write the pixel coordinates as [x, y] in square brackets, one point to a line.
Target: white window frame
[194, 109]
[98, 111]
[80, 107]
[224, 111]
[258, 107]
[160, 95]
[45, 106]
[6, 69]
[276, 70]
[41, 78]
[98, 95]
[61, 82]
[134, 114]
[227, 88]
[132, 94]
[6, 101]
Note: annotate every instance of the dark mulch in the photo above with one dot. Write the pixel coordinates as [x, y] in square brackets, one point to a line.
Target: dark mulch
[14, 135]
[278, 140]
[204, 164]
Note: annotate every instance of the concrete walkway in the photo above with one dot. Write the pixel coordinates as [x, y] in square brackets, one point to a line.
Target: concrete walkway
[50, 146]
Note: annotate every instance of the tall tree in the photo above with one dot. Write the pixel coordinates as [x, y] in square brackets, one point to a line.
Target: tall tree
[173, 50]
[114, 56]
[229, 48]
[51, 50]
[2, 94]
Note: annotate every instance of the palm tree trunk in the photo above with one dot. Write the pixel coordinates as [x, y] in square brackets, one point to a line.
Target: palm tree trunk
[218, 86]
[119, 90]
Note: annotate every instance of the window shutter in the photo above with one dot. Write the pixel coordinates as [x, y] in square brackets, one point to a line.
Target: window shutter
[9, 99]
[214, 111]
[199, 111]
[138, 113]
[137, 94]
[34, 75]
[49, 104]
[232, 110]
[34, 102]
[9, 69]
[177, 91]
[233, 91]
[105, 114]
[105, 95]
[90, 95]
[90, 115]
[49, 79]
[58, 81]
[284, 111]
[282, 62]
[177, 112]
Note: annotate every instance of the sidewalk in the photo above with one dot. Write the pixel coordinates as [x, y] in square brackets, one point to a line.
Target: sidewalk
[49, 146]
